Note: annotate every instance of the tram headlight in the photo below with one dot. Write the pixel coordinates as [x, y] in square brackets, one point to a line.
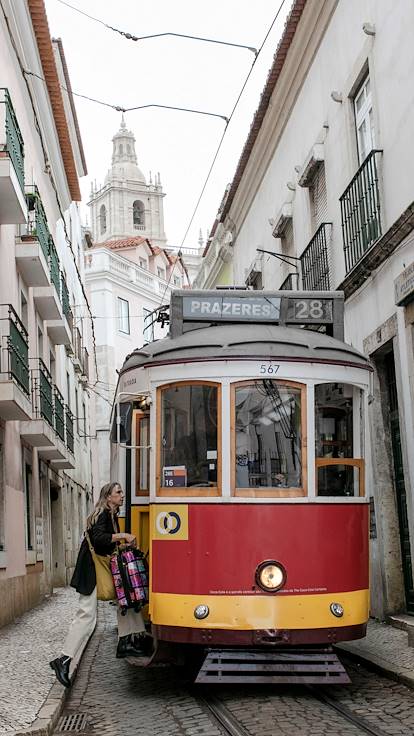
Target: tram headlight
[337, 609]
[270, 576]
[201, 611]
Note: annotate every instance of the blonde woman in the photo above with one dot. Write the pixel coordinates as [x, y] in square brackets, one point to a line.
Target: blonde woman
[103, 531]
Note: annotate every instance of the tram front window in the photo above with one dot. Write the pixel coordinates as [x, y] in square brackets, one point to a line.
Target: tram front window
[189, 452]
[268, 436]
[338, 472]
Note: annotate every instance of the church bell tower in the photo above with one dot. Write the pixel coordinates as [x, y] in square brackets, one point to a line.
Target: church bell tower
[126, 205]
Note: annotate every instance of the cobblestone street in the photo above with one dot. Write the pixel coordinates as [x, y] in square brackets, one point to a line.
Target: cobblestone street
[26, 646]
[119, 698]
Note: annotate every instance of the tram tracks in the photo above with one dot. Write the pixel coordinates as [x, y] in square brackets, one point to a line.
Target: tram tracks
[345, 712]
[230, 725]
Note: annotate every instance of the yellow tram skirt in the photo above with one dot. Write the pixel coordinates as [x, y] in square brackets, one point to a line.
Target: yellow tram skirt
[260, 612]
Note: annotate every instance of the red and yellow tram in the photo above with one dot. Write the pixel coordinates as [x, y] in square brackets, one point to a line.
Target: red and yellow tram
[240, 440]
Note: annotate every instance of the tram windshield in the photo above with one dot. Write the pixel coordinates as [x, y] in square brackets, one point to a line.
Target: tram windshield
[189, 452]
[268, 435]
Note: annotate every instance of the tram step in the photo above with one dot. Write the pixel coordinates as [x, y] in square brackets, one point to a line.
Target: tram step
[304, 666]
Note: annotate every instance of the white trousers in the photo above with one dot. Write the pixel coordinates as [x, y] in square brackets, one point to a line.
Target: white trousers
[84, 623]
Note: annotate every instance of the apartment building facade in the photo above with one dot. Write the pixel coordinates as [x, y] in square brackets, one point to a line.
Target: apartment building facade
[323, 198]
[45, 337]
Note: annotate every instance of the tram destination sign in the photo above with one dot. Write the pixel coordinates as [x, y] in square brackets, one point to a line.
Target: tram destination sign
[311, 309]
[231, 309]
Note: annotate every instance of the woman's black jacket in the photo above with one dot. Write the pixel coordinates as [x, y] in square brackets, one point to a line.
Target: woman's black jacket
[100, 534]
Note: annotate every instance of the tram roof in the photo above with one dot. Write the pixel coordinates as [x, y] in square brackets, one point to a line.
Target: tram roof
[246, 342]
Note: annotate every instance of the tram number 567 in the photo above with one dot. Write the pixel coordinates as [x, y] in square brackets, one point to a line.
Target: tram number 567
[268, 369]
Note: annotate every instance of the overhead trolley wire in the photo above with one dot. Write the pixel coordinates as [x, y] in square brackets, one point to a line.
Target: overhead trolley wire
[120, 108]
[220, 144]
[132, 37]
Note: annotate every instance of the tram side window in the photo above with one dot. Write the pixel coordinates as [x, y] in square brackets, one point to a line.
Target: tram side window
[268, 436]
[334, 441]
[189, 452]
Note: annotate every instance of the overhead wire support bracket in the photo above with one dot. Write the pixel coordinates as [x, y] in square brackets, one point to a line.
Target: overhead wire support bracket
[132, 37]
[281, 257]
[180, 109]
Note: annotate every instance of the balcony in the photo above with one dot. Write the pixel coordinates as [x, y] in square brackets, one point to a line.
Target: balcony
[85, 365]
[59, 414]
[70, 436]
[46, 431]
[68, 462]
[60, 330]
[48, 298]
[361, 211]
[40, 431]
[290, 283]
[15, 403]
[314, 261]
[32, 246]
[77, 350]
[13, 208]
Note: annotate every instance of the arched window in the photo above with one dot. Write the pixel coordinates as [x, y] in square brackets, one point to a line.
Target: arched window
[138, 217]
[121, 149]
[128, 148]
[102, 219]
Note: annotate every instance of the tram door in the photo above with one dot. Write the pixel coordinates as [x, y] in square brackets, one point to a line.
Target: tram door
[401, 495]
[140, 478]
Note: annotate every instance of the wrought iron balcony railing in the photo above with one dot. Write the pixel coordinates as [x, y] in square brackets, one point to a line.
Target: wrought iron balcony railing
[14, 360]
[65, 299]
[70, 442]
[85, 363]
[59, 414]
[314, 261]
[43, 393]
[361, 211]
[77, 349]
[14, 139]
[54, 267]
[37, 223]
[290, 283]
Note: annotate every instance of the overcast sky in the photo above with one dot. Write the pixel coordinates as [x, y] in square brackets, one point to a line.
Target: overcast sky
[168, 71]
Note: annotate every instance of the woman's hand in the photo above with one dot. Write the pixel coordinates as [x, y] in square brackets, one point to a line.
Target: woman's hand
[130, 538]
[124, 536]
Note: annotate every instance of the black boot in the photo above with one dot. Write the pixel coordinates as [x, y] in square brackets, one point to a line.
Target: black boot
[60, 666]
[126, 648]
[144, 643]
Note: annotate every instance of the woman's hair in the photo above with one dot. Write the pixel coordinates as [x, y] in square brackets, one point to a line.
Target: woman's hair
[101, 504]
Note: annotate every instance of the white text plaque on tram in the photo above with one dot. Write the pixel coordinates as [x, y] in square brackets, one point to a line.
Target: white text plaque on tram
[229, 308]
